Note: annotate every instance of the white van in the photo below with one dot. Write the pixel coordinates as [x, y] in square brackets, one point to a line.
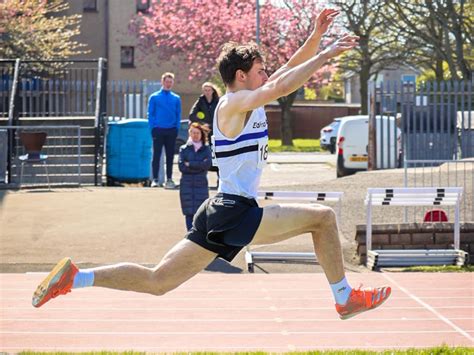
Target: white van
[353, 143]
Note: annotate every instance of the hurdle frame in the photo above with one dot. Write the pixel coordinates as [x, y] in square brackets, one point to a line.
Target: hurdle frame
[414, 196]
[252, 257]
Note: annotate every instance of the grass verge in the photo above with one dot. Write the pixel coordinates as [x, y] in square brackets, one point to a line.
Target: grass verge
[299, 145]
[441, 350]
[441, 268]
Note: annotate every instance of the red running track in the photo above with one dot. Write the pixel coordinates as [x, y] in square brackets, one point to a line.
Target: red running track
[240, 312]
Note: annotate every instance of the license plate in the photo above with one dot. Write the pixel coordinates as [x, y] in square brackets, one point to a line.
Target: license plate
[358, 158]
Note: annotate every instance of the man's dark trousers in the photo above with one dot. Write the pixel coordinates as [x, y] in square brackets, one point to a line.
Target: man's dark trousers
[163, 137]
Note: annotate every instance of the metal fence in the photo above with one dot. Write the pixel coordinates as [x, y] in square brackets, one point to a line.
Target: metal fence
[70, 88]
[445, 173]
[129, 99]
[7, 72]
[57, 89]
[54, 88]
[435, 120]
[63, 159]
[62, 92]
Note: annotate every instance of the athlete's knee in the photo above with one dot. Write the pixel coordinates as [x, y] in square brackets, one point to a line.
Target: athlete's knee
[156, 289]
[157, 286]
[325, 217]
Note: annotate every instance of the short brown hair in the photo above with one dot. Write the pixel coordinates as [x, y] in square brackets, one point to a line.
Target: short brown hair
[235, 56]
[167, 75]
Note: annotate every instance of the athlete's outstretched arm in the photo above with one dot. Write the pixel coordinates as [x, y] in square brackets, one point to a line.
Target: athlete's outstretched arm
[287, 82]
[311, 45]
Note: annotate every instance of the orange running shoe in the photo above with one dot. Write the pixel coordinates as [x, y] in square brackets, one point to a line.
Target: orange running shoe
[363, 299]
[58, 282]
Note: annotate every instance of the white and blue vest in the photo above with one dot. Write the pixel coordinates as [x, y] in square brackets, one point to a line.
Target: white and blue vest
[241, 159]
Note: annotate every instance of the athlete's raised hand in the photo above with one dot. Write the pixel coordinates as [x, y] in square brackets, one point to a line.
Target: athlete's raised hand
[324, 20]
[343, 44]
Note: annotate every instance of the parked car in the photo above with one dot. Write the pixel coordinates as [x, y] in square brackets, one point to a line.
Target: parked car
[328, 136]
[182, 135]
[353, 142]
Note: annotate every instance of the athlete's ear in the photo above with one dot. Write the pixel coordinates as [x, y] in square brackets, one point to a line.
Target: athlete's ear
[240, 75]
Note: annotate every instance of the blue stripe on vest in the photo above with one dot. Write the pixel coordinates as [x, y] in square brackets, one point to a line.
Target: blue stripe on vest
[243, 137]
[230, 153]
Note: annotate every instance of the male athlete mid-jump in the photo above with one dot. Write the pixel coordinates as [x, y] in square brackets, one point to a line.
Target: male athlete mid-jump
[232, 219]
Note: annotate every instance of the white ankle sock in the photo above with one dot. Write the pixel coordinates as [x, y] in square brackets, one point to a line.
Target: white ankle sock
[341, 291]
[84, 278]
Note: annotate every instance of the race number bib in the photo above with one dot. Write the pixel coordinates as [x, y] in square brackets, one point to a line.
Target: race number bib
[213, 151]
[262, 153]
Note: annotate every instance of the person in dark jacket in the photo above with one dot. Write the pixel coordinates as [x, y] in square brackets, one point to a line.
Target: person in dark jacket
[194, 162]
[204, 107]
[203, 111]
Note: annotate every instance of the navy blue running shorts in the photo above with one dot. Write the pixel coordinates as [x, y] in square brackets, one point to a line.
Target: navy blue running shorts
[225, 223]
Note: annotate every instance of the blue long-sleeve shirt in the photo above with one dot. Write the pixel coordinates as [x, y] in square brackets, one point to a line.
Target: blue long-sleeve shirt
[164, 110]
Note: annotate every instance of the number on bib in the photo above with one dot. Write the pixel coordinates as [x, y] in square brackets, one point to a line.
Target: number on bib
[262, 153]
[213, 151]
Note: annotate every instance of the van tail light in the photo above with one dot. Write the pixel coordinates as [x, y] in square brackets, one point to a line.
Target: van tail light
[327, 130]
[339, 145]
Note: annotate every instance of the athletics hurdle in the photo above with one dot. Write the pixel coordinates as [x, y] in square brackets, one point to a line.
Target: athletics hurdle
[252, 257]
[414, 196]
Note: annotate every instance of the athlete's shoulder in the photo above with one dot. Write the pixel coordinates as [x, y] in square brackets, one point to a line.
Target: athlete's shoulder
[232, 102]
[223, 104]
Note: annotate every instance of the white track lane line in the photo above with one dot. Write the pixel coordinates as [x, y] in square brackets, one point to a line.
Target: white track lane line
[263, 299]
[214, 333]
[219, 348]
[207, 309]
[216, 320]
[429, 308]
[3, 287]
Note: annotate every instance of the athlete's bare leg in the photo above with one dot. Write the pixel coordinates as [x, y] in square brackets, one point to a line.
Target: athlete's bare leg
[284, 221]
[279, 222]
[182, 262]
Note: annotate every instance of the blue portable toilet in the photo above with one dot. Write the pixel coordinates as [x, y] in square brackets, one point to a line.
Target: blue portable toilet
[128, 151]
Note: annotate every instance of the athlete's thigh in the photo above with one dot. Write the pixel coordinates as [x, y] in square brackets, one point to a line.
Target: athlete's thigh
[283, 221]
[182, 262]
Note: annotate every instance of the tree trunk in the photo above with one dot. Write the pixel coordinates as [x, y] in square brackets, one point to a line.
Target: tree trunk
[364, 89]
[457, 18]
[461, 61]
[439, 72]
[364, 74]
[450, 57]
[286, 126]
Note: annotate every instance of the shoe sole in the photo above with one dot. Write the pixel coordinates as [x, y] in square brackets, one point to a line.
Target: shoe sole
[53, 277]
[366, 310]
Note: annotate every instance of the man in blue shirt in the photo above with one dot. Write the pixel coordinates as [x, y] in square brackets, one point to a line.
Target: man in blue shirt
[164, 118]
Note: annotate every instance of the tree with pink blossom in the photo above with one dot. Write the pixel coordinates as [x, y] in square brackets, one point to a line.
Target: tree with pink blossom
[191, 33]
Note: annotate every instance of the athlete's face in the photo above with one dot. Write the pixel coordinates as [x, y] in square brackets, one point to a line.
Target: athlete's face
[257, 75]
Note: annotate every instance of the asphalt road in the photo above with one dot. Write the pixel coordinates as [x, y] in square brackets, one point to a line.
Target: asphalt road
[101, 225]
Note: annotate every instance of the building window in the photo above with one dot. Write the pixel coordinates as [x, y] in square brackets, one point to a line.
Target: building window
[127, 57]
[89, 5]
[143, 5]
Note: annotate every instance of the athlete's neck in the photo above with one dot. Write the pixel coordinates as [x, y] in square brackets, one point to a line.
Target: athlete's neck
[236, 87]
